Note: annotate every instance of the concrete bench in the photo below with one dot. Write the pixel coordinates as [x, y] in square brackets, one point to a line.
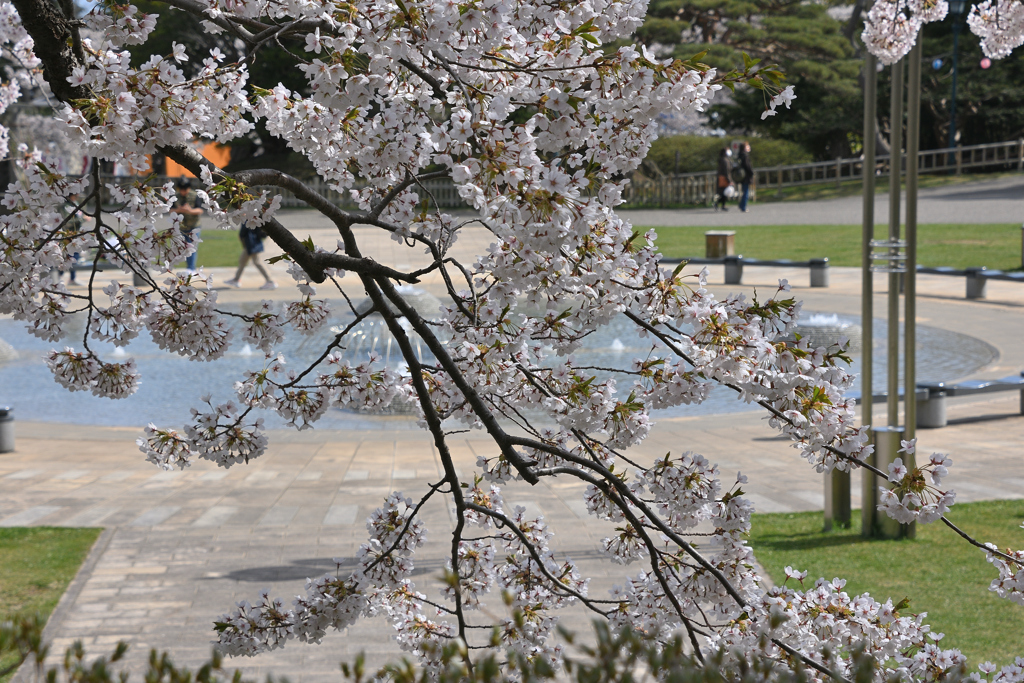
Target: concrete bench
[976, 278]
[931, 396]
[734, 267]
[931, 412]
[881, 396]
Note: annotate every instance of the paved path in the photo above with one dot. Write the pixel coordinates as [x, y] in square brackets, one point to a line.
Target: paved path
[181, 548]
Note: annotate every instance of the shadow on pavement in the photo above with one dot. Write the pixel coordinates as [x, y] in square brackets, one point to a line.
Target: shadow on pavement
[298, 570]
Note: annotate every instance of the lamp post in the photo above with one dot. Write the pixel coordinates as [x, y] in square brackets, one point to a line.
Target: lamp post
[956, 11]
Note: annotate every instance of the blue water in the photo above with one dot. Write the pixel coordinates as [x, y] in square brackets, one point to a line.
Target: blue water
[171, 385]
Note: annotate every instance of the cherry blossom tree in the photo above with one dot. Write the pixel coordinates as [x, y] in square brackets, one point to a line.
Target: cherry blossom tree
[517, 104]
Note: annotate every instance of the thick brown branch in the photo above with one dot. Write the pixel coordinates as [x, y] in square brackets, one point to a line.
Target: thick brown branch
[480, 409]
[54, 42]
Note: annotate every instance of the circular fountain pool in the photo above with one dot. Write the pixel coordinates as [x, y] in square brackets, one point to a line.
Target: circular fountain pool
[171, 384]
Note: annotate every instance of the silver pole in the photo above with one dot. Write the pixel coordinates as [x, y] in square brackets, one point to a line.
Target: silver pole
[895, 167]
[867, 318]
[868, 234]
[910, 291]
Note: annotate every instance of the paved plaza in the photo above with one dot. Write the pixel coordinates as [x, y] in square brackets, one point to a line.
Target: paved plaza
[180, 548]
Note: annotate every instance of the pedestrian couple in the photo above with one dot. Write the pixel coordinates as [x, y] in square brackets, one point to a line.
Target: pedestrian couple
[190, 206]
[726, 187]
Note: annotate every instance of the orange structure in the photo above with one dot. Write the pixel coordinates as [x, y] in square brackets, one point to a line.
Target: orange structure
[213, 151]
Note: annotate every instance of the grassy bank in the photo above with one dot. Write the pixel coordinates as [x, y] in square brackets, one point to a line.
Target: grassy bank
[36, 566]
[996, 246]
[940, 573]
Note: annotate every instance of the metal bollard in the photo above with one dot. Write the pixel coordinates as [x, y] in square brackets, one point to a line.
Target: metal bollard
[6, 429]
[819, 272]
[837, 499]
[874, 523]
[734, 270]
[976, 281]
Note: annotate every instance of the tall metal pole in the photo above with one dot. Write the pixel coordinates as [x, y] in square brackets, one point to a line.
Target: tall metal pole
[867, 316]
[895, 166]
[952, 101]
[868, 234]
[910, 288]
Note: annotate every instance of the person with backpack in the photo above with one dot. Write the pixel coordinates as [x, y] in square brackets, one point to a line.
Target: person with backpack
[252, 246]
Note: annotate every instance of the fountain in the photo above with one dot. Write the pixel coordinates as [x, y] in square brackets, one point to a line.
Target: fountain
[172, 384]
[372, 337]
[7, 352]
[825, 329]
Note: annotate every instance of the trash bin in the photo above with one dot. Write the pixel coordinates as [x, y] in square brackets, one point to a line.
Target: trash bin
[819, 272]
[6, 429]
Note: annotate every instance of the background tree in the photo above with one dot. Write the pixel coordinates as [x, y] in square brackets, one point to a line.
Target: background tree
[813, 48]
[990, 102]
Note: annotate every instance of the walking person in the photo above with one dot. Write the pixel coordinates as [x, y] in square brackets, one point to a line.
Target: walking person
[724, 178]
[252, 247]
[189, 205]
[746, 175]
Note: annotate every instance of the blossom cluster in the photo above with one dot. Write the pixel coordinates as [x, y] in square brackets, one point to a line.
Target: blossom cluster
[915, 496]
[892, 27]
[1010, 583]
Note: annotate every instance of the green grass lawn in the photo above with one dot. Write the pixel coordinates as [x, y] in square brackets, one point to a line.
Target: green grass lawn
[940, 573]
[218, 248]
[36, 566]
[995, 246]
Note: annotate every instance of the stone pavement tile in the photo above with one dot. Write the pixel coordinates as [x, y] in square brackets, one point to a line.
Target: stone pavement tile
[31, 515]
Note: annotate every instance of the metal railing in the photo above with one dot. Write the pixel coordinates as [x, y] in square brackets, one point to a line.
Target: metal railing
[701, 188]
